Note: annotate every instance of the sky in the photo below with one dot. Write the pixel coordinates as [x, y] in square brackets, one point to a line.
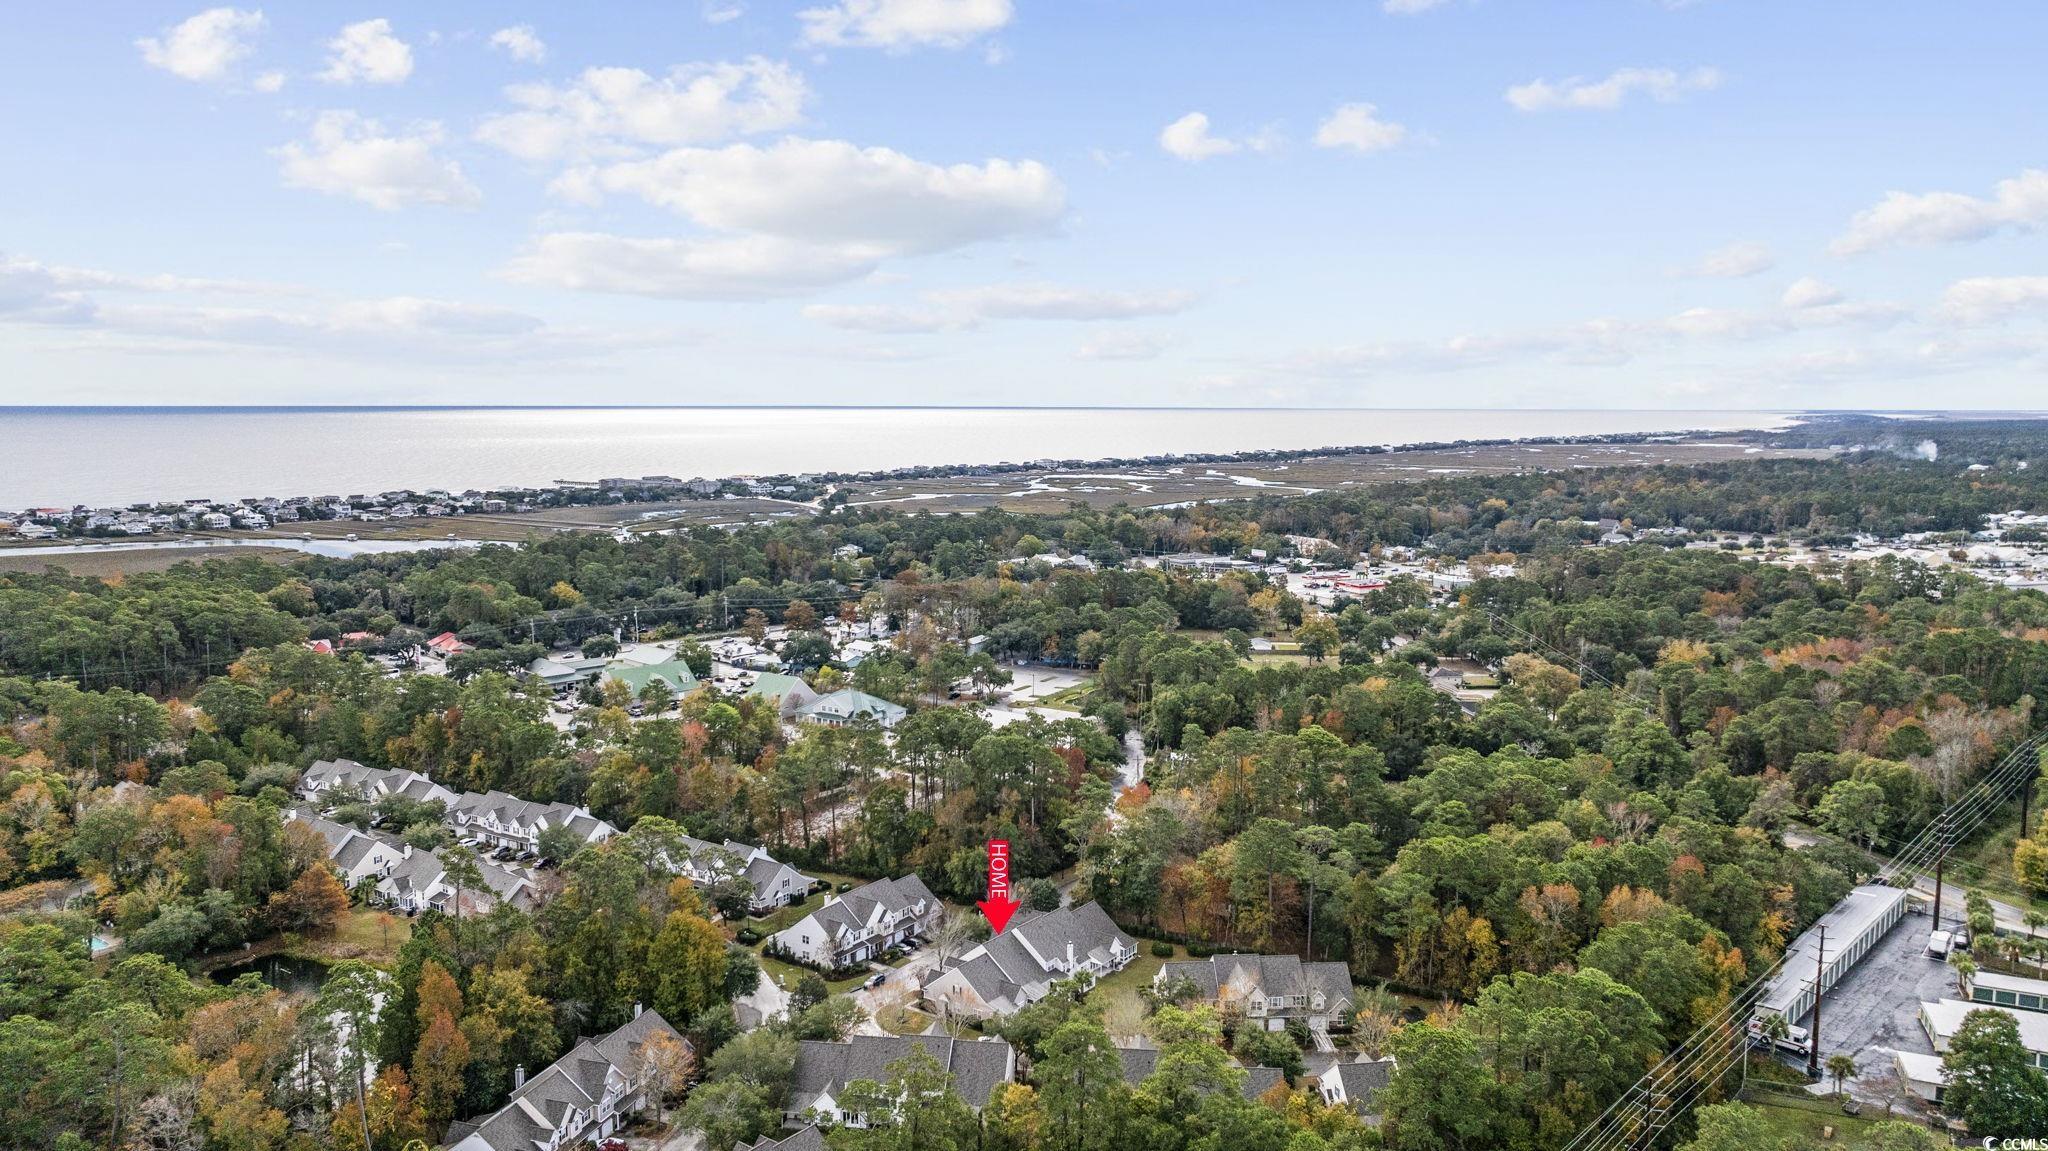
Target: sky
[1357, 203]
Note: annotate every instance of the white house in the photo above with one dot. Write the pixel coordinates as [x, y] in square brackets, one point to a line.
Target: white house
[1269, 989]
[773, 883]
[1019, 966]
[823, 1070]
[583, 1097]
[1353, 1083]
[855, 927]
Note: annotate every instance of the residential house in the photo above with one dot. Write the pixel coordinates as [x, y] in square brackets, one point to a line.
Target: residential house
[823, 1070]
[846, 705]
[808, 1139]
[583, 1097]
[420, 879]
[356, 855]
[1267, 989]
[489, 821]
[1140, 1062]
[861, 924]
[1020, 965]
[773, 883]
[1353, 1082]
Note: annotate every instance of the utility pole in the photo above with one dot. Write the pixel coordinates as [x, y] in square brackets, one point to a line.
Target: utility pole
[1820, 967]
[1940, 858]
[2026, 801]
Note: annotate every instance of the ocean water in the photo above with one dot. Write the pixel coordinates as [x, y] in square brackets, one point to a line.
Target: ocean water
[116, 456]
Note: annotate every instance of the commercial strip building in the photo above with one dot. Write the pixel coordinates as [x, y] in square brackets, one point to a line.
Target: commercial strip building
[1943, 1018]
[1851, 928]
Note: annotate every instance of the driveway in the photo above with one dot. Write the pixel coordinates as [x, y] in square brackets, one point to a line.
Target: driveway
[769, 998]
[899, 985]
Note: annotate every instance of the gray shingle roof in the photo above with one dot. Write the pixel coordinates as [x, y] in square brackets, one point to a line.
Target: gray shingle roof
[975, 1066]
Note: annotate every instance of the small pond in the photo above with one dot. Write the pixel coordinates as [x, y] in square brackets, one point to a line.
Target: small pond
[284, 972]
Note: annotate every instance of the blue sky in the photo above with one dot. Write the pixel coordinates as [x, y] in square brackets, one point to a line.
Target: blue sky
[1404, 203]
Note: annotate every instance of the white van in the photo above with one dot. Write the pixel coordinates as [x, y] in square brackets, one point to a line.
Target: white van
[1939, 944]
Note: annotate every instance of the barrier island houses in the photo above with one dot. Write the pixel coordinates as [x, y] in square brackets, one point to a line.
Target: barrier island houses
[493, 819]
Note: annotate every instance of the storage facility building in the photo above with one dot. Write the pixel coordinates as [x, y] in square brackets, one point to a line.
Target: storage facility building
[1853, 927]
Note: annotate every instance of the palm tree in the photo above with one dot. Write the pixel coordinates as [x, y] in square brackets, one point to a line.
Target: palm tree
[1775, 1028]
[1964, 965]
[1841, 1068]
[2033, 919]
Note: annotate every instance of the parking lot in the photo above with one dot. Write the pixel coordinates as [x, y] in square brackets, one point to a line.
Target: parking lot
[1874, 1010]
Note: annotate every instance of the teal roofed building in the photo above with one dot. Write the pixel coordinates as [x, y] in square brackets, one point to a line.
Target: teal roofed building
[788, 692]
[636, 676]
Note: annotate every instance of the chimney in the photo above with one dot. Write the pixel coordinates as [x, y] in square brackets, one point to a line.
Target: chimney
[519, 1077]
[636, 1011]
[1070, 957]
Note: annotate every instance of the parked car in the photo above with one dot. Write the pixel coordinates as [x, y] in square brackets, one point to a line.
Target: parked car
[878, 978]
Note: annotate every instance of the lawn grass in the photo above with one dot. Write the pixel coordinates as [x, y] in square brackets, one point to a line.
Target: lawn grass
[899, 1020]
[1123, 1012]
[1805, 1122]
[364, 934]
[1067, 699]
[786, 974]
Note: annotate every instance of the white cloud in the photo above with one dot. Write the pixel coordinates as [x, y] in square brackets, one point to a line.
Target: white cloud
[790, 218]
[1355, 126]
[723, 268]
[614, 111]
[367, 52]
[1409, 7]
[1053, 302]
[961, 308]
[520, 42]
[1189, 139]
[1120, 346]
[885, 319]
[1661, 84]
[269, 82]
[1807, 292]
[1989, 299]
[348, 155]
[715, 13]
[295, 321]
[1905, 218]
[1735, 261]
[902, 24]
[204, 47]
[874, 201]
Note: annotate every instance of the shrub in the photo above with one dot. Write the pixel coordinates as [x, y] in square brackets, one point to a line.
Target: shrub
[1163, 950]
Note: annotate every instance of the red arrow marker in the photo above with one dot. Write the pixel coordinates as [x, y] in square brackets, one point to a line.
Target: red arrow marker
[998, 906]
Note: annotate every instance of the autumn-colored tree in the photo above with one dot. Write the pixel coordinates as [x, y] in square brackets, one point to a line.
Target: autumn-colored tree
[395, 1116]
[800, 616]
[668, 1063]
[443, 1051]
[437, 1067]
[314, 902]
